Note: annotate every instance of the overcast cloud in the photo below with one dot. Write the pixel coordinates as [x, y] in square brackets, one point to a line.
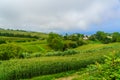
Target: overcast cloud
[56, 15]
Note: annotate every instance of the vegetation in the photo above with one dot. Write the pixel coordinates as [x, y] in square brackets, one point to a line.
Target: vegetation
[55, 41]
[8, 51]
[28, 68]
[107, 71]
[25, 55]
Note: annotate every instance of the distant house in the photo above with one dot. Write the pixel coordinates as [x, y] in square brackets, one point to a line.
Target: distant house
[85, 37]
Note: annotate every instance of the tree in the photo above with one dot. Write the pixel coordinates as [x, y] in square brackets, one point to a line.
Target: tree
[100, 35]
[55, 41]
[8, 51]
[93, 38]
[116, 37]
[66, 36]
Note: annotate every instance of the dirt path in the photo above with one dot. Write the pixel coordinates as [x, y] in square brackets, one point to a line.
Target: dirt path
[65, 78]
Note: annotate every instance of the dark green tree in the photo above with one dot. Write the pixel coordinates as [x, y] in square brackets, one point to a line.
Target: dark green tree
[55, 41]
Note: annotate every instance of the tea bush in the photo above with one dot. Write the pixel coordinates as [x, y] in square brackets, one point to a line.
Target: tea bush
[27, 68]
[60, 53]
[8, 51]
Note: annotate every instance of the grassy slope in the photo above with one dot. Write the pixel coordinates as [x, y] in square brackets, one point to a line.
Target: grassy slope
[28, 43]
[35, 46]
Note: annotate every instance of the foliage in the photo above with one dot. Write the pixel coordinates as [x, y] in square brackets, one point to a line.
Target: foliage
[110, 70]
[69, 44]
[101, 36]
[27, 68]
[81, 42]
[53, 76]
[73, 37]
[22, 34]
[8, 51]
[59, 53]
[116, 37]
[15, 39]
[2, 41]
[55, 41]
[93, 38]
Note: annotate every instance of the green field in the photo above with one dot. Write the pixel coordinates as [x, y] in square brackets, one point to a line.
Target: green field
[24, 58]
[26, 68]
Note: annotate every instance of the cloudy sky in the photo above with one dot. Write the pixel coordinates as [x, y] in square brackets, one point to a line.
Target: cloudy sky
[61, 15]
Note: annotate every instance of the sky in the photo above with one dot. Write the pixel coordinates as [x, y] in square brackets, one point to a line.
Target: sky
[62, 16]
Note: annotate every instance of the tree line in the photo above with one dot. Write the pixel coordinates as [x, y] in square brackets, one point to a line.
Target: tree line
[17, 35]
[60, 42]
[105, 37]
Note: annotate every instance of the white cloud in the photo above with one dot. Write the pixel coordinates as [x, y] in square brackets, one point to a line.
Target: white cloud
[56, 15]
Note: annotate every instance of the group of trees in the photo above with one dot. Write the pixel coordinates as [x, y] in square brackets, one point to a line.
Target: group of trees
[59, 42]
[17, 35]
[101, 36]
[8, 51]
[105, 37]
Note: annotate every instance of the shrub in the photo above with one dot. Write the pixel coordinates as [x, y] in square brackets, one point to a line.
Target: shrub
[2, 41]
[24, 55]
[60, 53]
[107, 71]
[8, 51]
[38, 54]
[69, 44]
[81, 42]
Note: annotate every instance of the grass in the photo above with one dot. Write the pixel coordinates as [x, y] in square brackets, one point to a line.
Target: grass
[99, 50]
[41, 35]
[35, 46]
[53, 66]
[27, 68]
[53, 76]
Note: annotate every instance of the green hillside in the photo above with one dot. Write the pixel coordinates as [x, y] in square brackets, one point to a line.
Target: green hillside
[57, 57]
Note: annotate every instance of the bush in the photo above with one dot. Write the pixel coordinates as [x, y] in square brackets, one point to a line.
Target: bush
[69, 44]
[110, 70]
[38, 54]
[2, 41]
[24, 55]
[59, 53]
[82, 42]
[8, 51]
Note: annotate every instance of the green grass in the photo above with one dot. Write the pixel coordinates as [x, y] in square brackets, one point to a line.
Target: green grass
[16, 39]
[99, 50]
[36, 46]
[41, 35]
[28, 68]
[53, 76]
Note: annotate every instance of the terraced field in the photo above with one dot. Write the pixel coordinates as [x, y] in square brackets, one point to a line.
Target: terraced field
[29, 68]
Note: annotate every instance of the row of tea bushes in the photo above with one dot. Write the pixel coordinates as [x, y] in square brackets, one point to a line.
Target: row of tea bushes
[27, 68]
[8, 51]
